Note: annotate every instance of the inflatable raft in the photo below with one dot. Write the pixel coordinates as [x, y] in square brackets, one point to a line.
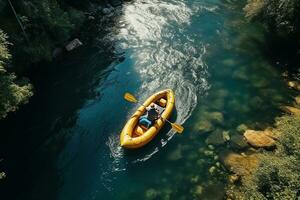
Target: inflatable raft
[135, 135]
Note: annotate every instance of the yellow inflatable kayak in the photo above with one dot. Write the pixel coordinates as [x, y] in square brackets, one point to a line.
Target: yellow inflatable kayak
[135, 135]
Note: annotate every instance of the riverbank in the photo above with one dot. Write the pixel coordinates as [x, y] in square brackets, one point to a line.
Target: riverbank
[271, 169]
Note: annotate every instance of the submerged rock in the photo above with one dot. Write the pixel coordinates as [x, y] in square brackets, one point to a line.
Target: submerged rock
[241, 128]
[259, 139]
[256, 102]
[175, 155]
[226, 135]
[216, 117]
[215, 138]
[238, 142]
[229, 62]
[259, 82]
[290, 110]
[115, 3]
[194, 179]
[107, 11]
[240, 74]
[208, 153]
[198, 191]
[217, 103]
[151, 194]
[204, 126]
[222, 93]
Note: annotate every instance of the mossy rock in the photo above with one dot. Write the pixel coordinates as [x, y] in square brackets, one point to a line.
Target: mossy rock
[238, 142]
[241, 128]
[215, 138]
[216, 117]
[204, 126]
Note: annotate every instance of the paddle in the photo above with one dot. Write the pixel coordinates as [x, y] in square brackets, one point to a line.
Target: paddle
[129, 97]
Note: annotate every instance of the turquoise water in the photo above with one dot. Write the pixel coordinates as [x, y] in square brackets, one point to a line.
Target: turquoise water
[65, 143]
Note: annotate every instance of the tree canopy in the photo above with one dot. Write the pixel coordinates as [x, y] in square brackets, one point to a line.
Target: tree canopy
[12, 92]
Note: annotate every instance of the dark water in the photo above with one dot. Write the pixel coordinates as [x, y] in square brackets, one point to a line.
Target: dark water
[64, 144]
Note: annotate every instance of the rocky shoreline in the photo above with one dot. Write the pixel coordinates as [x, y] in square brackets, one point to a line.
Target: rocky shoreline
[244, 165]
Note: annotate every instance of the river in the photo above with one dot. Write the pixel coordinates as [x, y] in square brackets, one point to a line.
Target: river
[64, 144]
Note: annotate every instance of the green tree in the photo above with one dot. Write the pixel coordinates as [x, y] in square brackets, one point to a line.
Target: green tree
[12, 93]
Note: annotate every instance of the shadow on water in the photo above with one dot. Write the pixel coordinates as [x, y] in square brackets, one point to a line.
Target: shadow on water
[32, 139]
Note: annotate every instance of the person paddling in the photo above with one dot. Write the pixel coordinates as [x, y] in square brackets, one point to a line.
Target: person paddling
[151, 115]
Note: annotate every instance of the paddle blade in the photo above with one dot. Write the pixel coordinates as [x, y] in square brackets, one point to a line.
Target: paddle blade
[177, 127]
[129, 97]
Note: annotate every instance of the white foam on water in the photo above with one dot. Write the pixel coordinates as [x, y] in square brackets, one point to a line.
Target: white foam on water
[164, 56]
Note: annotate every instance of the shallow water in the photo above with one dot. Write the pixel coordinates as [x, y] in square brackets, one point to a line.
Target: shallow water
[204, 50]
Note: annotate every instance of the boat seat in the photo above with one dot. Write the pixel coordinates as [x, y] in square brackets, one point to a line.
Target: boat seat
[162, 102]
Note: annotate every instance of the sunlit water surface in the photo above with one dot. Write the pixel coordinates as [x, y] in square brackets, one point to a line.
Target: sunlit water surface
[203, 50]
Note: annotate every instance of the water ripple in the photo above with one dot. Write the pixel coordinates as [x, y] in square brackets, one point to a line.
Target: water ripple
[164, 54]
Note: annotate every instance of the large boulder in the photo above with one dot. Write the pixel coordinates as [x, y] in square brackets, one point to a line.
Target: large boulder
[259, 139]
[239, 164]
[290, 110]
